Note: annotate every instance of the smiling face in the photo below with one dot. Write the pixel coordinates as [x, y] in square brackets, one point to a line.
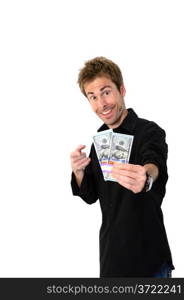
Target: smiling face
[106, 100]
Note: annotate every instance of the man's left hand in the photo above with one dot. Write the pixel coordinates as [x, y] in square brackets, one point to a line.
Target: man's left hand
[132, 177]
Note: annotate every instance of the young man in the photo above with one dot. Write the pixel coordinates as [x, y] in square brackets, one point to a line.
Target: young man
[133, 241]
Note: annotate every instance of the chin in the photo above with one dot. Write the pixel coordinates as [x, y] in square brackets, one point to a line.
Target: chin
[109, 122]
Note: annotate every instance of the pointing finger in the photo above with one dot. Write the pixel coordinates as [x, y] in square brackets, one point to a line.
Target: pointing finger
[80, 147]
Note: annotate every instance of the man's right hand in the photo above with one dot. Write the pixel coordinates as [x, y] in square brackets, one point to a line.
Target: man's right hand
[78, 163]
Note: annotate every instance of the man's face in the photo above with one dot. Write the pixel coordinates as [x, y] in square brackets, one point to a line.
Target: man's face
[106, 100]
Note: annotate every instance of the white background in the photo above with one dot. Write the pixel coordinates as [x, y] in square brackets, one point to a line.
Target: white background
[44, 230]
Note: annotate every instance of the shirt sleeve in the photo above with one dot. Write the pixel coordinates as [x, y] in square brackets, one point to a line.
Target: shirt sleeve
[154, 150]
[87, 190]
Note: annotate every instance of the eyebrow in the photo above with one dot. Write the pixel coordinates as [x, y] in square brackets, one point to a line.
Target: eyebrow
[103, 88]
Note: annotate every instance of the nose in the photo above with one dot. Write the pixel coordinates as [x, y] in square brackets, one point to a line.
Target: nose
[102, 103]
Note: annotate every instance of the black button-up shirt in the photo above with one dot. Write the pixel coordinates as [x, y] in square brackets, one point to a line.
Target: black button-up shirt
[133, 240]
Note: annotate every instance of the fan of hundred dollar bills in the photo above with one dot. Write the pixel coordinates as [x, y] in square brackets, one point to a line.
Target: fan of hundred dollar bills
[112, 147]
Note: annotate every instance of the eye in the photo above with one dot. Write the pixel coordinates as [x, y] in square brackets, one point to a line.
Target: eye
[106, 92]
[92, 97]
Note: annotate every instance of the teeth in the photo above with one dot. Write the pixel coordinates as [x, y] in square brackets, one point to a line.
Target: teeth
[106, 112]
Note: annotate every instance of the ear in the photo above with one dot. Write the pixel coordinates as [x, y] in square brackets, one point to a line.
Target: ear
[122, 90]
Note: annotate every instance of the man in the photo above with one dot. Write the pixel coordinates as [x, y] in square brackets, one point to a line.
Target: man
[133, 241]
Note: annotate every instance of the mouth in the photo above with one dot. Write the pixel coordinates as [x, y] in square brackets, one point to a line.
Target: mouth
[107, 112]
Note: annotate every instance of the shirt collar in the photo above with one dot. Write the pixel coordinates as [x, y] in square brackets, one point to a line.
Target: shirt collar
[127, 125]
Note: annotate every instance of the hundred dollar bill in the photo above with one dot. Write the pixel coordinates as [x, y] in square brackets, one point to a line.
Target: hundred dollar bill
[121, 145]
[102, 143]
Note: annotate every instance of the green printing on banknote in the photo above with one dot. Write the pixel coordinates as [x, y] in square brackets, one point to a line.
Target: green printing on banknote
[112, 147]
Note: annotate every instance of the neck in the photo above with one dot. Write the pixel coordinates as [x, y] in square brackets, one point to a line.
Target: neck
[121, 119]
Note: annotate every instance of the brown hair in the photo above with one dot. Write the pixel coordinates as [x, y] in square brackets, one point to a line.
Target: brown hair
[97, 67]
